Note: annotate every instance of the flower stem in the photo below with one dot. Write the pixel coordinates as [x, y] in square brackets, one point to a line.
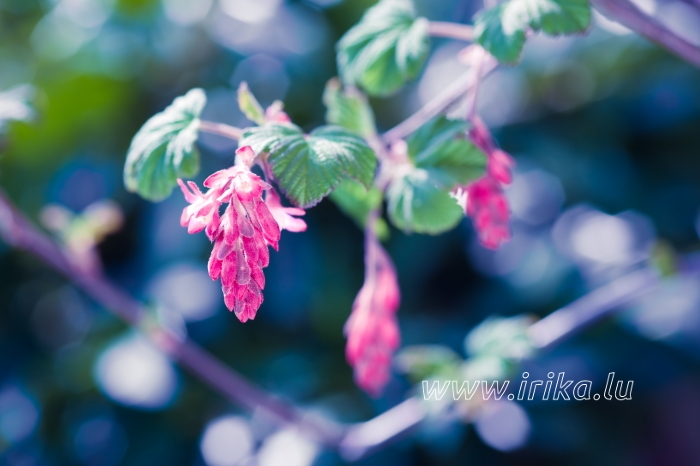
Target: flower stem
[451, 30]
[437, 105]
[221, 129]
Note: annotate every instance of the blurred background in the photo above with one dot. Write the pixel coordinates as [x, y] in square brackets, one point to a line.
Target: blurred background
[604, 128]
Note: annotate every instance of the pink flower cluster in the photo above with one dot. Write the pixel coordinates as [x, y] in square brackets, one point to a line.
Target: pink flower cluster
[486, 202]
[242, 234]
[372, 329]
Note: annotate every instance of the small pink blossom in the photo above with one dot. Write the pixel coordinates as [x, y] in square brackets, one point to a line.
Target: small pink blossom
[275, 113]
[241, 235]
[372, 329]
[285, 216]
[484, 200]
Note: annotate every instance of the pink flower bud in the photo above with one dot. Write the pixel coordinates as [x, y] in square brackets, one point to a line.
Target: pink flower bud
[372, 329]
[275, 113]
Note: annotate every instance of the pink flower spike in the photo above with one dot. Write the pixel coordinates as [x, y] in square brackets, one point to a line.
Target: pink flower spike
[372, 329]
[285, 216]
[241, 236]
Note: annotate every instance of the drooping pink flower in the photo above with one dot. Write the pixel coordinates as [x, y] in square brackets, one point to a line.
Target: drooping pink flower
[488, 207]
[484, 200]
[241, 234]
[285, 216]
[372, 329]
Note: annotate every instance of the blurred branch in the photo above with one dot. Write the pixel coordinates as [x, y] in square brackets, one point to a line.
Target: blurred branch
[354, 441]
[221, 129]
[592, 307]
[627, 14]
[451, 30]
[364, 438]
[20, 233]
[439, 104]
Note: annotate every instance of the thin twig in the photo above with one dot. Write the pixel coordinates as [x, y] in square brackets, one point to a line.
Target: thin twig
[437, 105]
[221, 129]
[627, 14]
[451, 30]
[592, 307]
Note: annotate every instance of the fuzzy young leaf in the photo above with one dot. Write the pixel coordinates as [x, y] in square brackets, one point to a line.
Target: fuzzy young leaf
[442, 148]
[357, 202]
[423, 362]
[348, 108]
[503, 337]
[385, 49]
[501, 29]
[416, 202]
[163, 150]
[308, 168]
[249, 105]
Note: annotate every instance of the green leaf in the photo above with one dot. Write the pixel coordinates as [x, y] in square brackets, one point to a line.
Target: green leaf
[502, 35]
[308, 168]
[357, 202]
[443, 158]
[663, 258]
[163, 150]
[502, 337]
[249, 105]
[422, 362]
[417, 203]
[442, 148]
[385, 49]
[348, 108]
[501, 29]
[556, 17]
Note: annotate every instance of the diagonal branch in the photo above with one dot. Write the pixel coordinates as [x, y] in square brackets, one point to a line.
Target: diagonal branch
[627, 14]
[354, 441]
[439, 104]
[20, 233]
